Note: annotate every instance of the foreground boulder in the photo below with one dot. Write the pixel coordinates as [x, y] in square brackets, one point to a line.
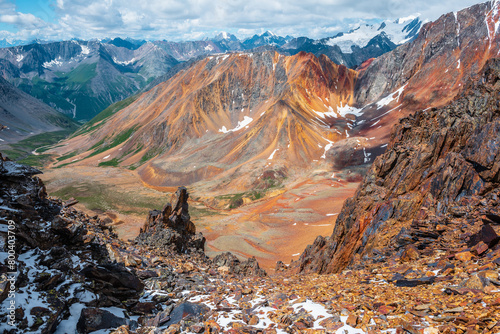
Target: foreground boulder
[228, 263]
[440, 165]
[172, 228]
[93, 319]
[113, 280]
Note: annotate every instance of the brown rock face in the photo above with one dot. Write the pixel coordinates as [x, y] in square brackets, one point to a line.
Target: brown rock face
[439, 162]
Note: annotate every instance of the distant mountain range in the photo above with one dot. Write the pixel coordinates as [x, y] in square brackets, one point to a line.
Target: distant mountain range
[82, 78]
[229, 117]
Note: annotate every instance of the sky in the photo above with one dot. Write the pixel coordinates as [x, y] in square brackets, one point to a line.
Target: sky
[177, 20]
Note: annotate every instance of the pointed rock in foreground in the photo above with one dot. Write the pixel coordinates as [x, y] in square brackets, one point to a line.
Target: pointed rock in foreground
[172, 228]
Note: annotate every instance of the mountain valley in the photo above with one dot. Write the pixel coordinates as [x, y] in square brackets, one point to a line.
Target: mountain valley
[265, 128]
[268, 185]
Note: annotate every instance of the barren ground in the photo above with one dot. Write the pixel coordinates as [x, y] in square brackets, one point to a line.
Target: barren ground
[271, 229]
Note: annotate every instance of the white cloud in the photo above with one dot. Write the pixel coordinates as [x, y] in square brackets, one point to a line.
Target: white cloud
[194, 19]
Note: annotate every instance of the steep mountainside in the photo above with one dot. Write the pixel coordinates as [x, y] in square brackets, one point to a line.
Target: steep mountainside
[21, 116]
[427, 72]
[234, 115]
[230, 115]
[439, 165]
[82, 78]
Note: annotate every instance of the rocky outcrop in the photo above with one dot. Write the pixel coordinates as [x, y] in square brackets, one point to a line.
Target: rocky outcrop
[171, 228]
[439, 165]
[61, 259]
[94, 319]
[227, 263]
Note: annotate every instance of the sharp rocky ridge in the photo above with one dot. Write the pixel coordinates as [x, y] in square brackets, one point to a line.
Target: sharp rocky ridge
[440, 172]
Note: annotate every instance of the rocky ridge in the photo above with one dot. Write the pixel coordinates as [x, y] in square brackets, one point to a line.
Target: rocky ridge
[440, 171]
[222, 118]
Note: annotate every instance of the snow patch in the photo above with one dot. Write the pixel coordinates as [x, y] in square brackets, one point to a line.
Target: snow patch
[367, 156]
[344, 110]
[19, 58]
[126, 62]
[85, 49]
[391, 97]
[362, 35]
[55, 62]
[241, 124]
[329, 113]
[272, 154]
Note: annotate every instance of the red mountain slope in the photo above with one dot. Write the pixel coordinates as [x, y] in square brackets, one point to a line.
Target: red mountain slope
[227, 116]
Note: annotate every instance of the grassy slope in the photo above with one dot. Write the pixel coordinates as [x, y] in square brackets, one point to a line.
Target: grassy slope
[75, 86]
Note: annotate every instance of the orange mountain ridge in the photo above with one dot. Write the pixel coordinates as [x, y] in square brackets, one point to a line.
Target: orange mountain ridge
[226, 116]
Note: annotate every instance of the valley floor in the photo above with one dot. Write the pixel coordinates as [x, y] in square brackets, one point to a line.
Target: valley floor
[272, 229]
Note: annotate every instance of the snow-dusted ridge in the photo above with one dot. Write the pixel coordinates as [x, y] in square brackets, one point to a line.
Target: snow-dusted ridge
[398, 31]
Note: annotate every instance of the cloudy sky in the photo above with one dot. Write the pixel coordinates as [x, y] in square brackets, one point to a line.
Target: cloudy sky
[195, 19]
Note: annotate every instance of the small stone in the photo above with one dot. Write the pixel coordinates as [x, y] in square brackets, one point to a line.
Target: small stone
[384, 309]
[487, 235]
[440, 227]
[475, 282]
[197, 329]
[490, 289]
[188, 267]
[254, 320]
[458, 309]
[464, 256]
[352, 320]
[173, 329]
[422, 307]
[224, 270]
[143, 308]
[480, 248]
[121, 330]
[332, 324]
[410, 254]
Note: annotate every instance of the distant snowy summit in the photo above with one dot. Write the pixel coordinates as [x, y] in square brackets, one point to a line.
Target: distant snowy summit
[398, 32]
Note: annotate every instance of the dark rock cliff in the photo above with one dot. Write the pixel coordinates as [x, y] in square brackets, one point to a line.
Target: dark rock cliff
[438, 162]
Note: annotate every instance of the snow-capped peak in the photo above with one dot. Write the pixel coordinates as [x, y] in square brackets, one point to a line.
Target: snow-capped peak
[399, 31]
[269, 33]
[224, 36]
[409, 18]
